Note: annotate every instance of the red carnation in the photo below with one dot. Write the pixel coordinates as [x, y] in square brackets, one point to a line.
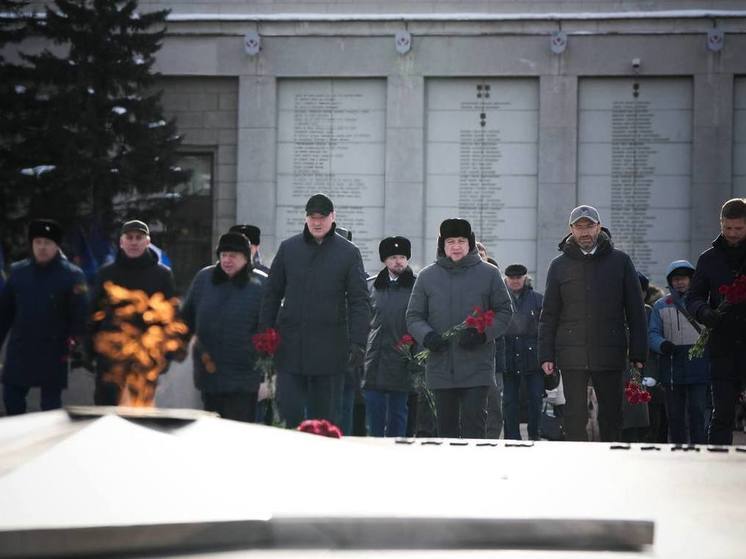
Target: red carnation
[321, 427]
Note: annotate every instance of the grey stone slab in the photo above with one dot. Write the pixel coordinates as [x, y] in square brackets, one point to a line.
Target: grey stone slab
[256, 154]
[405, 98]
[257, 103]
[404, 155]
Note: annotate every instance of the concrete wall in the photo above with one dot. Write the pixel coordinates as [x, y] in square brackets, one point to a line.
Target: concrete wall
[234, 94]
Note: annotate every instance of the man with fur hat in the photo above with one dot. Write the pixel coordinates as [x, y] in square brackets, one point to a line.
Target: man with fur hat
[672, 332]
[318, 300]
[592, 306]
[254, 234]
[135, 267]
[719, 266]
[388, 376]
[459, 370]
[221, 309]
[43, 306]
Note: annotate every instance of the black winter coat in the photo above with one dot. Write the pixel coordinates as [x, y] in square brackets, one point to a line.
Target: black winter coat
[326, 303]
[590, 302]
[716, 267]
[41, 306]
[223, 313]
[385, 367]
[521, 343]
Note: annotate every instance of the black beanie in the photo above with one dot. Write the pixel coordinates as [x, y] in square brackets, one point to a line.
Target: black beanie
[251, 232]
[455, 227]
[47, 228]
[234, 242]
[391, 246]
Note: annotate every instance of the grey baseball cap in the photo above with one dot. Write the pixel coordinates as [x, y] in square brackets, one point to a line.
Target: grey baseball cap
[585, 212]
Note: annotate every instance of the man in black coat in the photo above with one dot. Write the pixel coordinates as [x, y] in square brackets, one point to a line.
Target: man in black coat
[388, 375]
[716, 267]
[135, 267]
[592, 305]
[43, 306]
[323, 320]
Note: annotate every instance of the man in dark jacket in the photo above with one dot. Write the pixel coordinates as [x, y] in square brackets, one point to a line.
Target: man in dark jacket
[461, 368]
[254, 234]
[323, 321]
[521, 355]
[43, 305]
[716, 267]
[592, 304]
[388, 375]
[135, 267]
[222, 311]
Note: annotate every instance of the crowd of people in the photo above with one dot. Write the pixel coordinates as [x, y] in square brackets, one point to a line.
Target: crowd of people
[457, 350]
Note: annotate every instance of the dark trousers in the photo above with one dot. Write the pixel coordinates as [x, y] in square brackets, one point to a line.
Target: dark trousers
[609, 392]
[106, 393]
[534, 384]
[386, 412]
[728, 372]
[302, 397]
[238, 406]
[14, 398]
[462, 412]
[686, 405]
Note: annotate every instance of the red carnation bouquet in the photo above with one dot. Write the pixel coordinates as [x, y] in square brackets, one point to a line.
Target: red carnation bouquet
[634, 391]
[321, 427]
[733, 294]
[478, 319]
[266, 344]
[404, 346]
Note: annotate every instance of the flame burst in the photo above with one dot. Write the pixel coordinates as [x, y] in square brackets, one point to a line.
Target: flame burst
[144, 330]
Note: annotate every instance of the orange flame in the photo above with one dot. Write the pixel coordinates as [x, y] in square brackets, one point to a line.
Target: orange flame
[147, 331]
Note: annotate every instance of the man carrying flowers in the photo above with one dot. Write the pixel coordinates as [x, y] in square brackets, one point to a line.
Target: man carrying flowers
[460, 367]
[717, 299]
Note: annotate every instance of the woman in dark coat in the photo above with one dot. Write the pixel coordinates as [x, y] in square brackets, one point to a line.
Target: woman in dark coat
[222, 311]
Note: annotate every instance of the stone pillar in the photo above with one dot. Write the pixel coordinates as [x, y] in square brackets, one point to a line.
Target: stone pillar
[257, 144]
[712, 156]
[404, 203]
[558, 144]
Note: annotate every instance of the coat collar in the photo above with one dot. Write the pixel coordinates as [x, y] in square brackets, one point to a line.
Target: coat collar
[240, 279]
[309, 238]
[571, 248]
[471, 259]
[406, 279]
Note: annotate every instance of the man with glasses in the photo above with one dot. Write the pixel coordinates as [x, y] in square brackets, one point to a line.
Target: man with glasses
[592, 324]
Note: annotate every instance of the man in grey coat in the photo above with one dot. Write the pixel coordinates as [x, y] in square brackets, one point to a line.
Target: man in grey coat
[460, 369]
[317, 298]
[592, 305]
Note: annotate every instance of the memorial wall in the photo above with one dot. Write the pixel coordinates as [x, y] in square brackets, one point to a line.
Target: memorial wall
[330, 138]
[481, 163]
[634, 164]
[739, 137]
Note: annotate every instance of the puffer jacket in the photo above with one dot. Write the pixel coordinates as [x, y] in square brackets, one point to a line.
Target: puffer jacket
[521, 351]
[444, 294]
[590, 303]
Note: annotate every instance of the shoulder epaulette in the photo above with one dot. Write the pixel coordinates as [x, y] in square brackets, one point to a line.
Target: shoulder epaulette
[259, 273]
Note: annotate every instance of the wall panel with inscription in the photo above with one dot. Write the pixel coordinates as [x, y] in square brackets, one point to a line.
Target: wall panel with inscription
[739, 137]
[634, 164]
[330, 138]
[481, 154]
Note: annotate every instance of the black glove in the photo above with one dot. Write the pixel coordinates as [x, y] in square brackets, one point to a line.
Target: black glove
[471, 338]
[667, 347]
[434, 341]
[356, 357]
[709, 317]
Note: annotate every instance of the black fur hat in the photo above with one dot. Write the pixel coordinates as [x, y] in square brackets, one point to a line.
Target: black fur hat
[234, 242]
[516, 270]
[251, 232]
[47, 228]
[391, 246]
[455, 227]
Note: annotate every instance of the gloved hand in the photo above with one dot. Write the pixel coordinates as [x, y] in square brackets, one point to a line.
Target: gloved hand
[709, 317]
[667, 347]
[471, 338]
[434, 341]
[650, 382]
[356, 357]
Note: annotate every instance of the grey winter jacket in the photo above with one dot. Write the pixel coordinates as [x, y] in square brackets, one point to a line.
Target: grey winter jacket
[385, 367]
[589, 302]
[223, 313]
[318, 300]
[444, 294]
